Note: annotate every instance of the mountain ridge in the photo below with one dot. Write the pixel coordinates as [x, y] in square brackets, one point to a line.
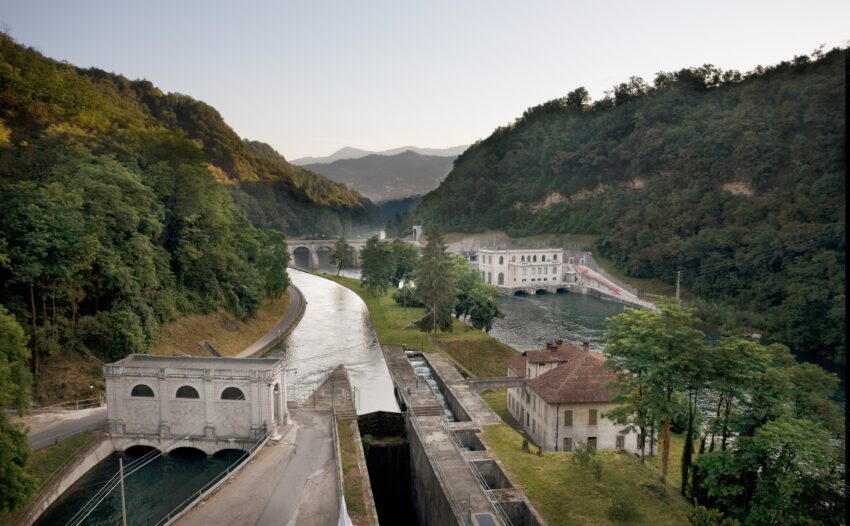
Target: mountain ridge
[349, 152]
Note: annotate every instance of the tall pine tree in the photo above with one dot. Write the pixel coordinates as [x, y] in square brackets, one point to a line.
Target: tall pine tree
[435, 285]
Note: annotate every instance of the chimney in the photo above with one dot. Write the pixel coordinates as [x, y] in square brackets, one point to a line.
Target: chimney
[551, 346]
[585, 345]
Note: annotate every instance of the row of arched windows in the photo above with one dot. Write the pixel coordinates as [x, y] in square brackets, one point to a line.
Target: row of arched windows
[532, 259]
[187, 391]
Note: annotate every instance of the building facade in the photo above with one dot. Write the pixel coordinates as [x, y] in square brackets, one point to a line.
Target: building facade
[527, 268]
[564, 403]
[158, 399]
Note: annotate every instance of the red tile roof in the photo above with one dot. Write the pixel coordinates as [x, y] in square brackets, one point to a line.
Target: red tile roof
[517, 365]
[583, 378]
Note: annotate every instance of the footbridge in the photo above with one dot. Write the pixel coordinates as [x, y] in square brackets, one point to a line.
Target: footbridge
[210, 404]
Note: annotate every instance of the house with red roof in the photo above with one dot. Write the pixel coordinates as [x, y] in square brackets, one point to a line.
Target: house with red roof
[564, 402]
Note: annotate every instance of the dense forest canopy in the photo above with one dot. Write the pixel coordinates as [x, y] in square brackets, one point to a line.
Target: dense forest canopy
[122, 208]
[737, 180]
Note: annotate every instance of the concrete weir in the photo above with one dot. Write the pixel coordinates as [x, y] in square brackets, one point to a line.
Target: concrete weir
[454, 478]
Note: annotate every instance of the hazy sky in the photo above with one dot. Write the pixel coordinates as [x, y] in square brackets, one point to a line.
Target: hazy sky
[311, 77]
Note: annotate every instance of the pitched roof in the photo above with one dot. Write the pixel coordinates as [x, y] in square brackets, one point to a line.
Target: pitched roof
[582, 377]
[554, 352]
[517, 365]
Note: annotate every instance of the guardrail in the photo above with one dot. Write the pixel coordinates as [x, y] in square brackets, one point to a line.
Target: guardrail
[83, 403]
[212, 485]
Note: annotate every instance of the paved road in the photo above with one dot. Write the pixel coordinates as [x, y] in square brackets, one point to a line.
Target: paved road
[68, 427]
[293, 482]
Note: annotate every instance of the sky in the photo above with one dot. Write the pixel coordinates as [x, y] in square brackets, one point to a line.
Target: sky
[314, 76]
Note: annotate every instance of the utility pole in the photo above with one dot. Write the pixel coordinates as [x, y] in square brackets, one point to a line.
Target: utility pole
[678, 281]
[123, 504]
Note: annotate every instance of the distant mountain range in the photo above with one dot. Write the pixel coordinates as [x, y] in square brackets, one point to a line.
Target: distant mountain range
[388, 177]
[356, 153]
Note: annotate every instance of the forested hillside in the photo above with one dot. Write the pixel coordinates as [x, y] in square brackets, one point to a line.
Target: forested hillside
[118, 208]
[735, 179]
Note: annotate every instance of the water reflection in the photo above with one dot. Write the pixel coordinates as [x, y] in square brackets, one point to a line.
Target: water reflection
[531, 321]
[336, 328]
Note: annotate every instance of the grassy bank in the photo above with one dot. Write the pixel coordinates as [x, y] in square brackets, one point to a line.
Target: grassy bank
[227, 334]
[475, 351]
[44, 462]
[565, 493]
[352, 482]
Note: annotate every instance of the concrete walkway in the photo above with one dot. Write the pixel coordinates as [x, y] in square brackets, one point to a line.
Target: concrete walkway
[46, 429]
[290, 319]
[293, 482]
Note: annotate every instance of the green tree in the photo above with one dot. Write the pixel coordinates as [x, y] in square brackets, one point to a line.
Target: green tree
[273, 263]
[435, 283]
[406, 258]
[342, 255]
[474, 299]
[376, 266]
[653, 352]
[15, 380]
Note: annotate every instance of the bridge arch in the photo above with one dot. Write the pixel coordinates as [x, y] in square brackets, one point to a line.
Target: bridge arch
[541, 291]
[187, 451]
[301, 257]
[323, 256]
[520, 293]
[140, 446]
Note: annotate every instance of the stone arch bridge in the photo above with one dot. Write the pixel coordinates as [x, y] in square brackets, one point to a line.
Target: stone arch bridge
[316, 253]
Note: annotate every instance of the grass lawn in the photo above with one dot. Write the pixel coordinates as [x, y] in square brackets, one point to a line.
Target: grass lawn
[498, 402]
[355, 501]
[476, 352]
[564, 493]
[45, 462]
[227, 334]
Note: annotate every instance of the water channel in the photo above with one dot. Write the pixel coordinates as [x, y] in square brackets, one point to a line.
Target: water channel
[151, 493]
[336, 328]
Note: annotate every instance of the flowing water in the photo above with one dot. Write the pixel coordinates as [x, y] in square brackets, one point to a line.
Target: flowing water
[336, 328]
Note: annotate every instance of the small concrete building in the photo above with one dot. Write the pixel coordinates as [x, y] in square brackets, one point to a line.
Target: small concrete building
[565, 399]
[183, 401]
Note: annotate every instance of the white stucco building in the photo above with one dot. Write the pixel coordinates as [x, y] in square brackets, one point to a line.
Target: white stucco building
[207, 403]
[527, 268]
[564, 402]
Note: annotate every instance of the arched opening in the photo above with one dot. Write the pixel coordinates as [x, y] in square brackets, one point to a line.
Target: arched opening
[522, 259]
[555, 257]
[534, 259]
[139, 450]
[520, 293]
[142, 391]
[301, 257]
[501, 279]
[541, 291]
[187, 391]
[323, 254]
[570, 261]
[232, 393]
[501, 260]
[489, 278]
[188, 453]
[230, 455]
[543, 257]
[561, 290]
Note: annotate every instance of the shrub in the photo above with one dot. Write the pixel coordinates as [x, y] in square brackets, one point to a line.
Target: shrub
[622, 510]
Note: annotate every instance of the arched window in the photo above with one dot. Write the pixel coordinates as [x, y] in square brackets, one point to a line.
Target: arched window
[142, 390]
[501, 260]
[489, 278]
[522, 259]
[232, 393]
[187, 391]
[513, 259]
[501, 279]
[570, 261]
[543, 257]
[534, 259]
[555, 257]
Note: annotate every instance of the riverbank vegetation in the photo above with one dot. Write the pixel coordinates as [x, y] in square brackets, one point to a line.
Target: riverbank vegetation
[735, 179]
[227, 334]
[565, 492]
[767, 436]
[473, 350]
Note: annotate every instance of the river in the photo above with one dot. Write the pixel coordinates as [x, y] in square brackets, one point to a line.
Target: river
[336, 328]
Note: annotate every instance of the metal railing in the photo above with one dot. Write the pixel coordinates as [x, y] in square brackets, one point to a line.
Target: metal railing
[83, 403]
[212, 485]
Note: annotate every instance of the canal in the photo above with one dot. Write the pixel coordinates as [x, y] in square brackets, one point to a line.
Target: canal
[152, 492]
[336, 328]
